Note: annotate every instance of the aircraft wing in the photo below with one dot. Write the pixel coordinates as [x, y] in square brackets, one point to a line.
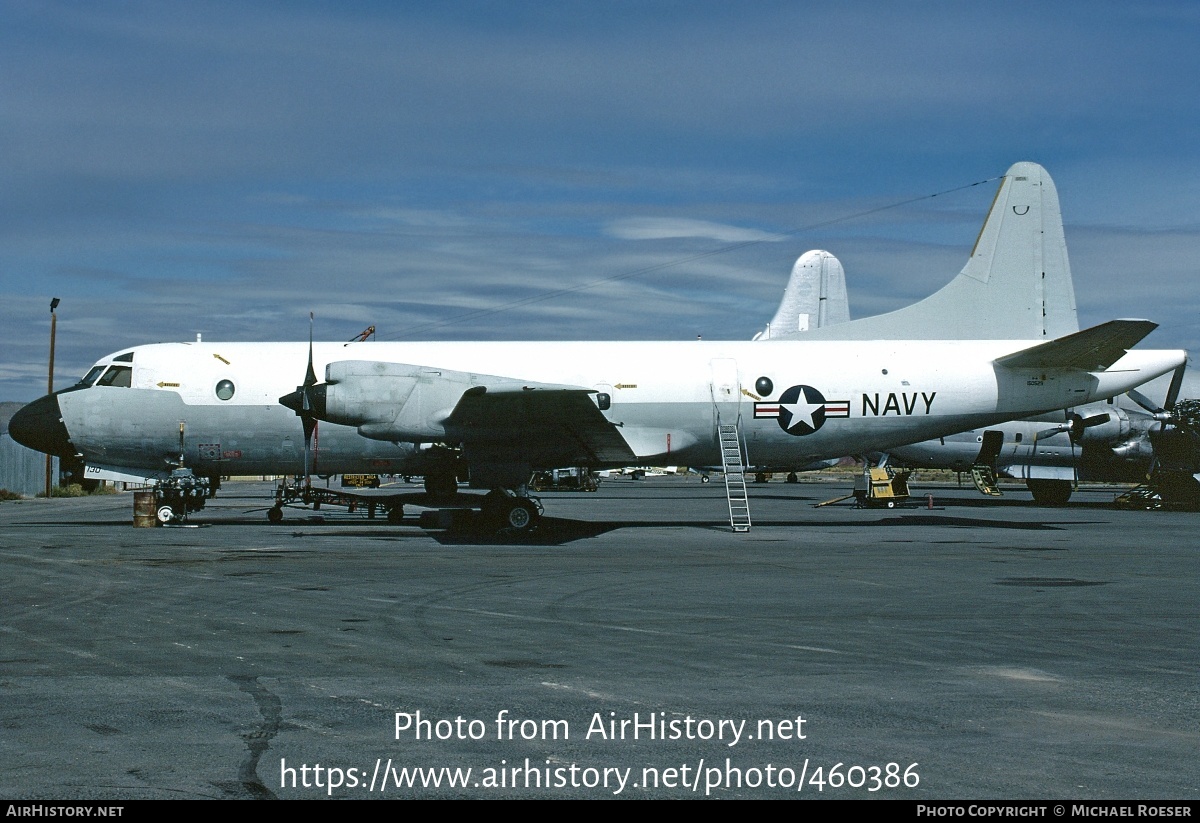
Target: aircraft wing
[1093, 349]
[541, 426]
[497, 420]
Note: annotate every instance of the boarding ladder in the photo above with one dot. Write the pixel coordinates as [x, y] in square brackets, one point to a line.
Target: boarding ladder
[984, 478]
[735, 476]
[983, 471]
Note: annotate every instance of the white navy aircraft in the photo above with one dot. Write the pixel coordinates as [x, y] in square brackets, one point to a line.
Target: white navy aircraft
[989, 346]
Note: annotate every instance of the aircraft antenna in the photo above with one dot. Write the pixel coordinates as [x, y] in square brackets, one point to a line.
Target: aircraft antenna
[550, 295]
[363, 335]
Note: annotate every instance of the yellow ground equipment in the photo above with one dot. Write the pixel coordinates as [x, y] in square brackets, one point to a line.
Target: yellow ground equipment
[881, 487]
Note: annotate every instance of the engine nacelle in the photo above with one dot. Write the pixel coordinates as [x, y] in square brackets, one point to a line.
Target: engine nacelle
[397, 401]
[388, 401]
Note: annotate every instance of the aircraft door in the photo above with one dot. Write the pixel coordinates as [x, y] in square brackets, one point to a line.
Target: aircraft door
[993, 441]
[726, 388]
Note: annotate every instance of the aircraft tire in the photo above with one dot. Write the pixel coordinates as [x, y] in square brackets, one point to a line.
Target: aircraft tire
[792, 478]
[519, 516]
[275, 515]
[704, 478]
[1050, 492]
[165, 514]
[395, 514]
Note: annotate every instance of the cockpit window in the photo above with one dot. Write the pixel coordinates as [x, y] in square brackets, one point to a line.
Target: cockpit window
[118, 377]
[90, 377]
[127, 357]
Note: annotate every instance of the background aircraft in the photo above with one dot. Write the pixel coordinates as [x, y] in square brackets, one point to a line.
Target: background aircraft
[815, 297]
[1112, 441]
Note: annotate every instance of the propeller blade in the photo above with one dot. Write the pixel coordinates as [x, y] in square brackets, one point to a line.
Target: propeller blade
[1044, 433]
[310, 377]
[1144, 401]
[307, 420]
[310, 427]
[1075, 422]
[1074, 466]
[1176, 385]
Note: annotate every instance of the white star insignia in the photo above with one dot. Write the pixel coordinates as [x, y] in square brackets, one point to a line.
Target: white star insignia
[802, 411]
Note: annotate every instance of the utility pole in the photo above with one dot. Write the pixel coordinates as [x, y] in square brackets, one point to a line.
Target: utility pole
[50, 390]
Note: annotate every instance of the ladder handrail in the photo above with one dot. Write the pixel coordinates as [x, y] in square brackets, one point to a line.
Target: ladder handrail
[729, 439]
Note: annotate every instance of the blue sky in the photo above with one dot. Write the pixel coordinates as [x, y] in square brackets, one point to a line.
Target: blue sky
[224, 168]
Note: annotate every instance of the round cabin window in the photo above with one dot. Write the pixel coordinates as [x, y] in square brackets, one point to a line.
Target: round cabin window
[225, 389]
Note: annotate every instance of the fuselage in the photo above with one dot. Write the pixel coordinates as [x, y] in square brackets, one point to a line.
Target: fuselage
[796, 402]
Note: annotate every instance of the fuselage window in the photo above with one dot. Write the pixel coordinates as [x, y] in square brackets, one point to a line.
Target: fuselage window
[120, 377]
[225, 389]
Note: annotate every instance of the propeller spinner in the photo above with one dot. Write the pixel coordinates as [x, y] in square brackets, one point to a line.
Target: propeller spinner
[1074, 426]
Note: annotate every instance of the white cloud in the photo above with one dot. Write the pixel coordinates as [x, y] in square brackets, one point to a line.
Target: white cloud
[661, 228]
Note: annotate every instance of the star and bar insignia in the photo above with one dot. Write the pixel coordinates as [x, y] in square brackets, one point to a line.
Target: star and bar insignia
[801, 410]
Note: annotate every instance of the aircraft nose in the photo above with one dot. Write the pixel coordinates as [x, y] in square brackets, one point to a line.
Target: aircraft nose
[39, 426]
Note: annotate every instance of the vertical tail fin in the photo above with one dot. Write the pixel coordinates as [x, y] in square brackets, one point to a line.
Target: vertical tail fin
[1015, 286]
[815, 297]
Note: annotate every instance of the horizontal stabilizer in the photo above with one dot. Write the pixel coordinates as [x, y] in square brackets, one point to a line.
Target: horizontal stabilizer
[1093, 349]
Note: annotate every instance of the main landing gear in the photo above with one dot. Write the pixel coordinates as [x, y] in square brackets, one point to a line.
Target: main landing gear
[1050, 492]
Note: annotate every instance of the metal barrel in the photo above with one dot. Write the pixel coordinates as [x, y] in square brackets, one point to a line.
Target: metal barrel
[143, 510]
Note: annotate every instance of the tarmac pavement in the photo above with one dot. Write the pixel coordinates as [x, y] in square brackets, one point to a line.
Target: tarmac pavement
[632, 647]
